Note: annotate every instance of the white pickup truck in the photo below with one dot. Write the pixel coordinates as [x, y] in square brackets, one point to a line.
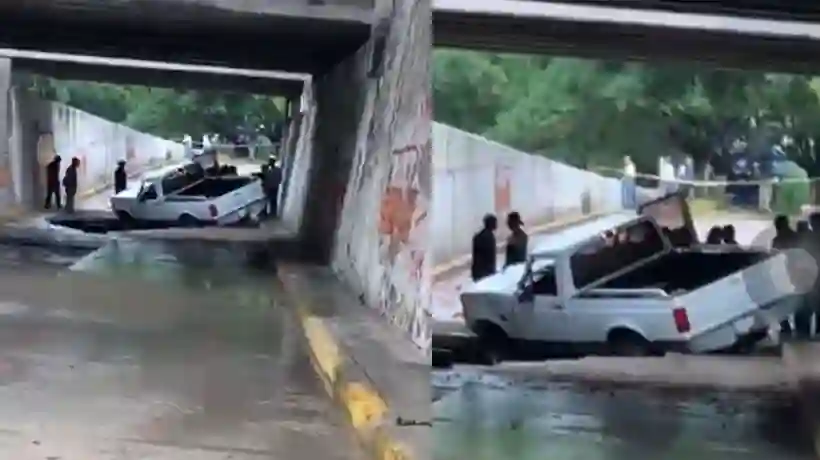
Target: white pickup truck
[618, 285]
[183, 197]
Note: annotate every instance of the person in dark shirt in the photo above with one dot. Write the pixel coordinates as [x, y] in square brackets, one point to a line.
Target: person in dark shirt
[70, 183]
[784, 238]
[53, 183]
[715, 235]
[484, 250]
[516, 251]
[729, 234]
[120, 177]
[271, 181]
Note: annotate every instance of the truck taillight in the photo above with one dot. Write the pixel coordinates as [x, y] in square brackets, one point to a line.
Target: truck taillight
[212, 209]
[681, 320]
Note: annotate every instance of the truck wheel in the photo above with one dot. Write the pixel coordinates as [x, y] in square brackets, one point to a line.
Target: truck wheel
[624, 342]
[126, 219]
[493, 344]
[187, 220]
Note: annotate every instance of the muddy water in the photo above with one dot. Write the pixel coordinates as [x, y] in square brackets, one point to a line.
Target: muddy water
[143, 352]
[491, 418]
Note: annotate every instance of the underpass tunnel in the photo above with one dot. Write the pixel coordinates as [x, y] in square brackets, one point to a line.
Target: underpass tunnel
[357, 149]
[355, 194]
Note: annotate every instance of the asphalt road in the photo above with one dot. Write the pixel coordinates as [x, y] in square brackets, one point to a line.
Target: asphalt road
[142, 353]
[484, 416]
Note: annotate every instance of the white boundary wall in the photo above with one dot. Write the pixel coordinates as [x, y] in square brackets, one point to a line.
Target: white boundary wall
[43, 129]
[474, 176]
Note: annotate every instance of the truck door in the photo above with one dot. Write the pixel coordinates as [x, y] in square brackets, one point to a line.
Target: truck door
[672, 214]
[542, 316]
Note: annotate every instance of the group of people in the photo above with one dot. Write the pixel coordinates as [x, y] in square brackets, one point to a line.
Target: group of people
[485, 248]
[805, 236]
[721, 235]
[70, 182]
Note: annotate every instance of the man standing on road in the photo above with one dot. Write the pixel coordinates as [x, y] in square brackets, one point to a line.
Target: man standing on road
[53, 182]
[120, 177]
[516, 252]
[271, 181]
[484, 250]
[70, 184]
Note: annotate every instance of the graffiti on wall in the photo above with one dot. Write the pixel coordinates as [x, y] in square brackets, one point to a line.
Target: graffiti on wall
[403, 216]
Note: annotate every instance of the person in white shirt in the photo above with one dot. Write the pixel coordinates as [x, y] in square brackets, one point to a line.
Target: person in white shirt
[628, 187]
[667, 176]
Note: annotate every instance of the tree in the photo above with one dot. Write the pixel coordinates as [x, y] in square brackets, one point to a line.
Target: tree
[164, 112]
[588, 112]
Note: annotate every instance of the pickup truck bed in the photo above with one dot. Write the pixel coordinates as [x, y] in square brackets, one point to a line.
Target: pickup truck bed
[684, 271]
[212, 187]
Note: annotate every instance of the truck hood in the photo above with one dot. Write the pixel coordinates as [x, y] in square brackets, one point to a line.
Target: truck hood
[128, 193]
[505, 281]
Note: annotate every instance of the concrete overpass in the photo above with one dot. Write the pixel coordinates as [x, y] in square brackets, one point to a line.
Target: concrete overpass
[291, 35]
[639, 30]
[157, 74]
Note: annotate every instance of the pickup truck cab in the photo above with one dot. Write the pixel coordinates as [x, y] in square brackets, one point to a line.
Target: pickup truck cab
[184, 197]
[631, 285]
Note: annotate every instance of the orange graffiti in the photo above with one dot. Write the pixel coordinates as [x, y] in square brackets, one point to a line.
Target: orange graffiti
[503, 190]
[398, 206]
[5, 177]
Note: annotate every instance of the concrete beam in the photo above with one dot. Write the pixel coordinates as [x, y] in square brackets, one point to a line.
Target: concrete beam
[161, 77]
[620, 33]
[312, 39]
[219, 13]
[772, 9]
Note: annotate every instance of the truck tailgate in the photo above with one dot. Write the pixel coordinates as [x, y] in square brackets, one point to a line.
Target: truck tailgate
[240, 198]
[746, 298]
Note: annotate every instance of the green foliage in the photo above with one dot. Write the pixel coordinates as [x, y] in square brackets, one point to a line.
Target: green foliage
[589, 112]
[165, 112]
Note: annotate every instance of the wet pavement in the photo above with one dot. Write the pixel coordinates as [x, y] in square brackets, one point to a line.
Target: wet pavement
[146, 352]
[483, 416]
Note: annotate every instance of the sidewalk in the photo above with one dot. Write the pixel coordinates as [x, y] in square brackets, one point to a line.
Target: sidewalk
[377, 376]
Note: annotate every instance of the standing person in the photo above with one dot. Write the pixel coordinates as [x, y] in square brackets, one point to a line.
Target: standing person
[53, 183]
[70, 183]
[784, 238]
[271, 182]
[728, 232]
[813, 244]
[516, 251]
[120, 177]
[484, 250]
[628, 187]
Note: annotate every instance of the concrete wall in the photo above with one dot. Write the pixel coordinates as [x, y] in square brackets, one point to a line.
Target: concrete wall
[365, 150]
[474, 176]
[42, 129]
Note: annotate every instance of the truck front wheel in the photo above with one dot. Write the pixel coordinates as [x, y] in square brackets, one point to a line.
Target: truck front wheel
[493, 344]
[126, 219]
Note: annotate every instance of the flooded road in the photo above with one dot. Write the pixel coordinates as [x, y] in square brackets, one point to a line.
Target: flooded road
[139, 352]
[481, 416]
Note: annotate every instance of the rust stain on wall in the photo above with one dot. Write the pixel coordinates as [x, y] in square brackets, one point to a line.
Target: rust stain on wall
[503, 190]
[5, 177]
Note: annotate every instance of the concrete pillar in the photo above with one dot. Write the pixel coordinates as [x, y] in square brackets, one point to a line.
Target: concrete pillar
[6, 178]
[339, 100]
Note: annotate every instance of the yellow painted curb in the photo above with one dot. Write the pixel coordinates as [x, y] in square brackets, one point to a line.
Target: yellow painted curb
[366, 410]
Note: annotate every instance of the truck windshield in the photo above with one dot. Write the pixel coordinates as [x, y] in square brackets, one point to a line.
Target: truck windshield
[615, 251]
